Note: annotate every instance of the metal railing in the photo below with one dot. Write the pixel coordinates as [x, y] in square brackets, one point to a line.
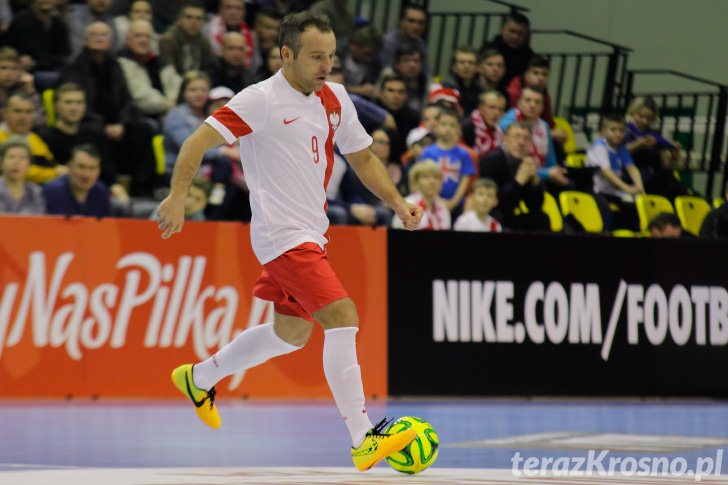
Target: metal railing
[697, 119]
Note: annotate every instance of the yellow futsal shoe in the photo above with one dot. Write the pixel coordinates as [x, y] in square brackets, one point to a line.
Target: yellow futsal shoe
[182, 378]
[378, 445]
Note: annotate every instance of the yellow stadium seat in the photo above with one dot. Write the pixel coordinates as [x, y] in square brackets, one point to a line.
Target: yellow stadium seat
[159, 157]
[49, 106]
[691, 211]
[625, 233]
[584, 208]
[575, 160]
[551, 208]
[718, 201]
[649, 206]
[570, 142]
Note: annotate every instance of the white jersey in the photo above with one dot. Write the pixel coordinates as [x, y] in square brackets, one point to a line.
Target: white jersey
[287, 150]
[469, 221]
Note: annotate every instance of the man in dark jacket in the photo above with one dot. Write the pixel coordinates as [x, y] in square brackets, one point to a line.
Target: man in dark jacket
[108, 100]
[513, 42]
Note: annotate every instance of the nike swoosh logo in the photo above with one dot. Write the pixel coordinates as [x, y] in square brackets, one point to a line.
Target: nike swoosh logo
[288, 122]
[198, 404]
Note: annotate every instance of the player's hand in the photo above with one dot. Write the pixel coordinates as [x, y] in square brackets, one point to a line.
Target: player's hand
[410, 214]
[171, 215]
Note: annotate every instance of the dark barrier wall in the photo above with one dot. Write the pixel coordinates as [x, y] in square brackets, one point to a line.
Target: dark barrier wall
[505, 314]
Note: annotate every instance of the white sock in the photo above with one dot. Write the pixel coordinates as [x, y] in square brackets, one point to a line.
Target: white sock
[250, 348]
[344, 377]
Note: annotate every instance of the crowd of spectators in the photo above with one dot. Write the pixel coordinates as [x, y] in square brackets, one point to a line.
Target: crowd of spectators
[477, 147]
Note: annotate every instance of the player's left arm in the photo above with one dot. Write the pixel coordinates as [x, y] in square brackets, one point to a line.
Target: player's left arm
[374, 175]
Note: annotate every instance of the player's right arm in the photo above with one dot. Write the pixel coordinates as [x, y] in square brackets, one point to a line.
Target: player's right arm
[171, 212]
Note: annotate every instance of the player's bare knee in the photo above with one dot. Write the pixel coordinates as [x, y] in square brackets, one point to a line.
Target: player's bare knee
[341, 313]
[293, 330]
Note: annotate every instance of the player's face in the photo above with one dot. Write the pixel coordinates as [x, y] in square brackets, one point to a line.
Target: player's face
[530, 104]
[71, 106]
[492, 69]
[83, 171]
[308, 70]
[15, 164]
[492, 109]
[613, 133]
[484, 199]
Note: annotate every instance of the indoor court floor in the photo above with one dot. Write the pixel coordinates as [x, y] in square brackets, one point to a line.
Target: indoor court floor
[284, 442]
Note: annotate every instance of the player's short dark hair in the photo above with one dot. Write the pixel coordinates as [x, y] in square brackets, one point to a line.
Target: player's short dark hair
[295, 24]
[662, 220]
[538, 62]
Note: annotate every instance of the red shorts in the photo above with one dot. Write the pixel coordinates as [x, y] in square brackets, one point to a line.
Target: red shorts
[299, 282]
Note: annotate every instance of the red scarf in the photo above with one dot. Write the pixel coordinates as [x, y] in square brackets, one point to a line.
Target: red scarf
[486, 139]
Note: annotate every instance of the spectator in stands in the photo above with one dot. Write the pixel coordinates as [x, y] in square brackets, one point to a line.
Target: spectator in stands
[69, 131]
[478, 219]
[266, 26]
[393, 98]
[529, 109]
[40, 36]
[666, 225]
[19, 121]
[13, 79]
[184, 119]
[231, 18]
[138, 10]
[426, 183]
[617, 178]
[412, 23]
[342, 20]
[230, 71]
[6, 16]
[418, 139]
[516, 173]
[480, 128]
[153, 85]
[272, 63]
[108, 100]
[361, 64]
[491, 69]
[513, 42]
[657, 157]
[183, 45]
[456, 164]
[430, 114]
[17, 196]
[715, 224]
[463, 77]
[80, 16]
[371, 115]
[196, 201]
[537, 75]
[79, 192]
[408, 65]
